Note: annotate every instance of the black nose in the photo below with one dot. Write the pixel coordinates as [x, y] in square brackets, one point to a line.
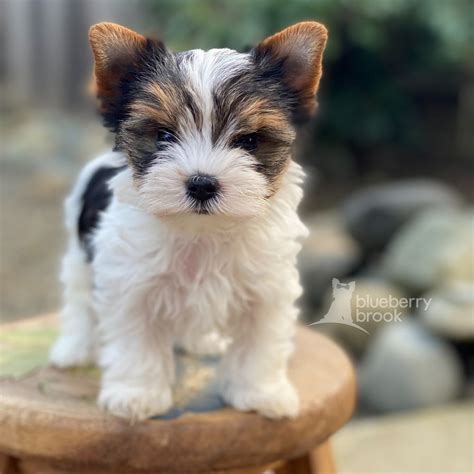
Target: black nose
[202, 188]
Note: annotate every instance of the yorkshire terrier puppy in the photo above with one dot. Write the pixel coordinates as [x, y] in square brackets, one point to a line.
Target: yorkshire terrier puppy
[187, 233]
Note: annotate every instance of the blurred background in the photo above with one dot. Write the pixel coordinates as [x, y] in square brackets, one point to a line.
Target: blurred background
[388, 196]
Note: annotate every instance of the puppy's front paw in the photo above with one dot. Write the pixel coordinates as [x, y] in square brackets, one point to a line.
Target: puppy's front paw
[135, 403]
[71, 351]
[276, 400]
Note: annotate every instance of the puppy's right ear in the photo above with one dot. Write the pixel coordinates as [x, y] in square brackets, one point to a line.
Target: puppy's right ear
[295, 56]
[120, 54]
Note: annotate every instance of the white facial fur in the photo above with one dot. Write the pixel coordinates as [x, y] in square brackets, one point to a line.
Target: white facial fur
[162, 190]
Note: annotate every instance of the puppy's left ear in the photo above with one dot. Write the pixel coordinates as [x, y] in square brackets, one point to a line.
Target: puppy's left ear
[295, 55]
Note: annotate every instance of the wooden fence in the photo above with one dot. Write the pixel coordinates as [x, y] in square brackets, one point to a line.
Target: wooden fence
[45, 57]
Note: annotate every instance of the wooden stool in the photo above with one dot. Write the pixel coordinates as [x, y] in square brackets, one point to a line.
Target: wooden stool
[49, 423]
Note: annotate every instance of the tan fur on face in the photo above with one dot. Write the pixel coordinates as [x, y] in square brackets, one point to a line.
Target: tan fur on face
[165, 97]
[258, 115]
[175, 106]
[163, 117]
[275, 136]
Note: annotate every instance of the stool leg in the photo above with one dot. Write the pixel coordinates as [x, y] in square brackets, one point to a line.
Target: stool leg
[322, 460]
[300, 465]
[8, 465]
[318, 461]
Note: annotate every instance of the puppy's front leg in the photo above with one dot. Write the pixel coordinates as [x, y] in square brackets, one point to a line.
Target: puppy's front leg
[254, 372]
[137, 360]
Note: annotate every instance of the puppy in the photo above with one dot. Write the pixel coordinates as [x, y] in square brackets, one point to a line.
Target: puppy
[187, 233]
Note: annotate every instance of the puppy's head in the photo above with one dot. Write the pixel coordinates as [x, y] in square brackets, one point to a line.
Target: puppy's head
[206, 132]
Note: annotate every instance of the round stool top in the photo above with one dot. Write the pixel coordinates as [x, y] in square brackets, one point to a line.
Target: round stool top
[51, 415]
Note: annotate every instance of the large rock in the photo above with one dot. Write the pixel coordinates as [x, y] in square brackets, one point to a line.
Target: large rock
[407, 367]
[459, 266]
[451, 311]
[328, 252]
[374, 214]
[434, 247]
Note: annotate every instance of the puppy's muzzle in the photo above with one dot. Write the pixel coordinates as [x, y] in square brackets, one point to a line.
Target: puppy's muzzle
[202, 187]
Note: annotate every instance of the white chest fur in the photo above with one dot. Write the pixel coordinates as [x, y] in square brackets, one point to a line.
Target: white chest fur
[195, 272]
[180, 277]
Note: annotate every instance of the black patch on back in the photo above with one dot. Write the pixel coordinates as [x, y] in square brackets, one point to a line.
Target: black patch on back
[95, 199]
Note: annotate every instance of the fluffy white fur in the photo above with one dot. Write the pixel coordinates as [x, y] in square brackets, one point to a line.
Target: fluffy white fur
[163, 275]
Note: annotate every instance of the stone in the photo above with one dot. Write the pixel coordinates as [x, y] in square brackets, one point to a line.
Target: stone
[327, 253]
[433, 247]
[374, 214]
[407, 367]
[460, 264]
[451, 311]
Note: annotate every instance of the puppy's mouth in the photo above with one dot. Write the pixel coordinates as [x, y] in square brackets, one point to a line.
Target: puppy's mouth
[204, 208]
[205, 212]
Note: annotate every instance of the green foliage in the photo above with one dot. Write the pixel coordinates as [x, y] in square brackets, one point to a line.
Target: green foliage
[385, 59]
[239, 23]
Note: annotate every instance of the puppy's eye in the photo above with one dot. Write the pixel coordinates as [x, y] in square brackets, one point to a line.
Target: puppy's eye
[247, 142]
[164, 136]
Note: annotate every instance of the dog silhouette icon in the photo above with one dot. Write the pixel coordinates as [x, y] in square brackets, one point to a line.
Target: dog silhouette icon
[340, 311]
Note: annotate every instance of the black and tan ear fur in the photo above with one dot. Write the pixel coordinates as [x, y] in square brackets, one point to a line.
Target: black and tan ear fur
[295, 55]
[120, 55]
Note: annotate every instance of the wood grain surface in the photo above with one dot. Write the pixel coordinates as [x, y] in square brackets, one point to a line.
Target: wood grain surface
[49, 417]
